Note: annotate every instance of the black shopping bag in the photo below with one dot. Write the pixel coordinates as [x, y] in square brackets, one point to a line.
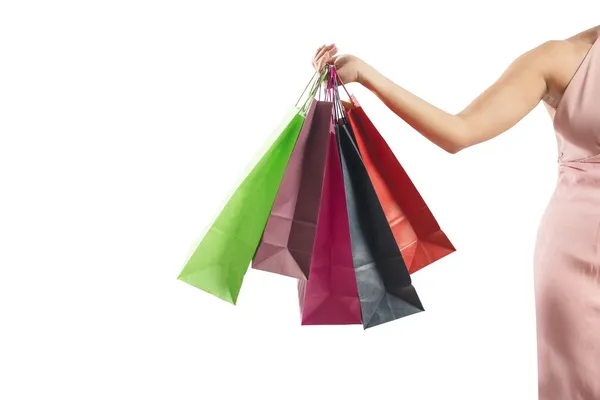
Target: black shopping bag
[384, 285]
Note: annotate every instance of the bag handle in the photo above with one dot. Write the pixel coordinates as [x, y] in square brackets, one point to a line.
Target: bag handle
[339, 110]
[351, 97]
[306, 88]
[316, 83]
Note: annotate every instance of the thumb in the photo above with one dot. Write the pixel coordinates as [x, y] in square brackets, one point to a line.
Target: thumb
[332, 60]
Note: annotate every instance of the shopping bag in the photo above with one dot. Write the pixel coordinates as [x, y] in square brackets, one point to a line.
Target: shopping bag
[220, 261]
[415, 229]
[287, 242]
[384, 285]
[330, 295]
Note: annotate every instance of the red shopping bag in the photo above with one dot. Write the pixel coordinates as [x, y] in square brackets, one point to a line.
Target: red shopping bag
[330, 295]
[418, 234]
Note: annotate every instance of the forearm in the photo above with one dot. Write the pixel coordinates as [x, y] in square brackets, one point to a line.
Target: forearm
[443, 129]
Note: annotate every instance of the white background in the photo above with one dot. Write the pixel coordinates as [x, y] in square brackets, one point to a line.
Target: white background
[124, 123]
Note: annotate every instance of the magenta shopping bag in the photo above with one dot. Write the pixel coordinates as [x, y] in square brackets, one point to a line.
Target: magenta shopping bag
[330, 295]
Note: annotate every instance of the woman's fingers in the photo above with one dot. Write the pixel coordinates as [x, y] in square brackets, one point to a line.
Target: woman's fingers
[323, 61]
[318, 50]
[332, 56]
[323, 50]
[325, 58]
[317, 57]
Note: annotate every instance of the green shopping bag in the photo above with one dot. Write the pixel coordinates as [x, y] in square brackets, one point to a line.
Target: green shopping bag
[220, 261]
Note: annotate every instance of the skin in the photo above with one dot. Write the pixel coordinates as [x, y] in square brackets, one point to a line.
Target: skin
[540, 74]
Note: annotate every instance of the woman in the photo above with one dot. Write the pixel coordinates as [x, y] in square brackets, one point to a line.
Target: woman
[565, 74]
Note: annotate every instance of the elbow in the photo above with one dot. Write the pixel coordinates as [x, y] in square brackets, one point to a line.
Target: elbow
[458, 138]
[455, 146]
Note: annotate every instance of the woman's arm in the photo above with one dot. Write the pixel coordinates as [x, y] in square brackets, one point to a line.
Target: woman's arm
[518, 91]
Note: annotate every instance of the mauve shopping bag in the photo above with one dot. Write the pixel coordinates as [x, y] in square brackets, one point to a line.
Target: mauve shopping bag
[287, 242]
[417, 232]
[330, 295]
[384, 285]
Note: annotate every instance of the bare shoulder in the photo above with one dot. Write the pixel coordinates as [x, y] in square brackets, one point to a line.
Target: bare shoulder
[542, 59]
[559, 61]
[563, 54]
[568, 51]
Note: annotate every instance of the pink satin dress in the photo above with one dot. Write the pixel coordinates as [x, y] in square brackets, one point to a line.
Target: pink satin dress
[567, 254]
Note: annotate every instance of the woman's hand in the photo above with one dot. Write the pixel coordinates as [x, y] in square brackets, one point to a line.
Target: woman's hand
[348, 67]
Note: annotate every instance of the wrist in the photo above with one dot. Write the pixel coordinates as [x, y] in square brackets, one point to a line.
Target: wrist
[364, 74]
